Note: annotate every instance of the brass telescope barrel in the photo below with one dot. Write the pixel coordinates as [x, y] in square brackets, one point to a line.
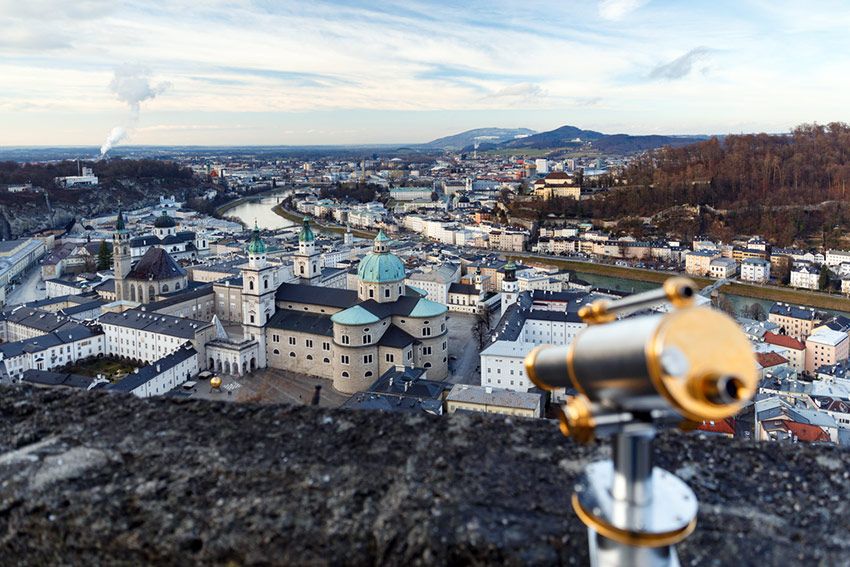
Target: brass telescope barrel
[694, 360]
[679, 292]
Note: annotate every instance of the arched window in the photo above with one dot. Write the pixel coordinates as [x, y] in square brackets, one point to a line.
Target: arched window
[309, 357]
[250, 284]
[387, 292]
[371, 292]
[427, 365]
[151, 292]
[345, 340]
[326, 360]
[177, 285]
[266, 283]
[276, 351]
[164, 288]
[345, 374]
[369, 373]
[292, 354]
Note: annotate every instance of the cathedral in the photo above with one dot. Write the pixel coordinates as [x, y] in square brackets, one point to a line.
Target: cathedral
[305, 324]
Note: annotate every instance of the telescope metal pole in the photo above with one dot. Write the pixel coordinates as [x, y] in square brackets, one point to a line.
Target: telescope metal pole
[632, 504]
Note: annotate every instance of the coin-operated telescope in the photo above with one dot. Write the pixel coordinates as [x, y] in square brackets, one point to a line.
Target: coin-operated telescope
[634, 376]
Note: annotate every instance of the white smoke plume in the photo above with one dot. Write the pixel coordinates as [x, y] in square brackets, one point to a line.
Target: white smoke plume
[132, 85]
[115, 136]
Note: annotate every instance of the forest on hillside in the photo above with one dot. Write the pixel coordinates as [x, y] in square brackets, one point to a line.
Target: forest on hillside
[785, 187]
[43, 174]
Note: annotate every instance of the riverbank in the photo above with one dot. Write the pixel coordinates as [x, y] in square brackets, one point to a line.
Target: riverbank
[221, 209]
[768, 293]
[298, 218]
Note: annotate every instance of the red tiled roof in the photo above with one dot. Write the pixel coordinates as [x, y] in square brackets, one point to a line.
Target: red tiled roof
[726, 426]
[806, 432]
[784, 341]
[768, 359]
[558, 175]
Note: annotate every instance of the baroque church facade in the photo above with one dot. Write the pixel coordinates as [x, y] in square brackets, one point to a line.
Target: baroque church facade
[308, 325]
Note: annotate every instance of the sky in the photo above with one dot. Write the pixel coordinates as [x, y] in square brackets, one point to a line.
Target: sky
[269, 72]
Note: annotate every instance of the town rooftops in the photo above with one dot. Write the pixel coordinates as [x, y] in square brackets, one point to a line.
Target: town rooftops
[155, 323]
[47, 378]
[785, 310]
[156, 264]
[826, 336]
[784, 341]
[314, 295]
[508, 348]
[151, 371]
[302, 322]
[769, 359]
[485, 395]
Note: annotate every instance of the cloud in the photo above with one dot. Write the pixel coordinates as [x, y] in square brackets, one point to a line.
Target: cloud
[35, 40]
[681, 66]
[525, 91]
[131, 84]
[618, 9]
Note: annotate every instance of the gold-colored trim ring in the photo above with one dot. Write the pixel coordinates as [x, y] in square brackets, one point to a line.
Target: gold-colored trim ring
[627, 537]
[673, 290]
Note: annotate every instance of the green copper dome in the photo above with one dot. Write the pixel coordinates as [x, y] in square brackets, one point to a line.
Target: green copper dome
[164, 221]
[427, 308]
[354, 316]
[381, 266]
[306, 232]
[256, 247]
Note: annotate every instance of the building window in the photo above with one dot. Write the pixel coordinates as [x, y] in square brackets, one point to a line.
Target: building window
[369, 373]
[390, 358]
[309, 357]
[292, 340]
[326, 360]
[367, 339]
[326, 346]
[276, 351]
[345, 374]
[367, 359]
[292, 355]
[344, 359]
[426, 350]
[426, 331]
[387, 292]
[371, 293]
[345, 340]
[309, 343]
[427, 365]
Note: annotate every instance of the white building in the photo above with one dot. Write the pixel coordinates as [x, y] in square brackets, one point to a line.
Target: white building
[755, 270]
[836, 257]
[435, 281]
[805, 276]
[147, 337]
[411, 193]
[46, 352]
[723, 268]
[502, 365]
[161, 376]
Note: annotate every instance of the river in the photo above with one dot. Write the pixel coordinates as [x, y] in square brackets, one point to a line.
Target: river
[740, 303]
[260, 209]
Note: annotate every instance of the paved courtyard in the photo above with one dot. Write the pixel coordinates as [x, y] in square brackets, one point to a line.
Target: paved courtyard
[271, 385]
[464, 359]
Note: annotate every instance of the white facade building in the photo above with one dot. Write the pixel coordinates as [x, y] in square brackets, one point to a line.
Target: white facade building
[755, 270]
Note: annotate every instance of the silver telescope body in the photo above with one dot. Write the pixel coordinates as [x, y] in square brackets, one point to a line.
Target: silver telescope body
[692, 360]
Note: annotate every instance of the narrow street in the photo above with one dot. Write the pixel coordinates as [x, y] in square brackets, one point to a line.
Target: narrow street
[28, 290]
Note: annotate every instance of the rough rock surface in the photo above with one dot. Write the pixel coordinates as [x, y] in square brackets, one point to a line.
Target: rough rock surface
[89, 479]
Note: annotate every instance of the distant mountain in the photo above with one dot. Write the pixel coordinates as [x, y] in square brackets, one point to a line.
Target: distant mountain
[483, 136]
[572, 137]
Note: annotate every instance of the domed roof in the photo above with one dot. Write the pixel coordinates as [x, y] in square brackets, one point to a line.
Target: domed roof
[381, 266]
[164, 221]
[354, 316]
[256, 246]
[427, 308]
[306, 234]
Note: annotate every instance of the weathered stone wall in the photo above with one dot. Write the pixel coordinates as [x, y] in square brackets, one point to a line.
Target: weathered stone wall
[90, 479]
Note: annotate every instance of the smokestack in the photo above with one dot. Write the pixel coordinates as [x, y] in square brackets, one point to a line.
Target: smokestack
[317, 395]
